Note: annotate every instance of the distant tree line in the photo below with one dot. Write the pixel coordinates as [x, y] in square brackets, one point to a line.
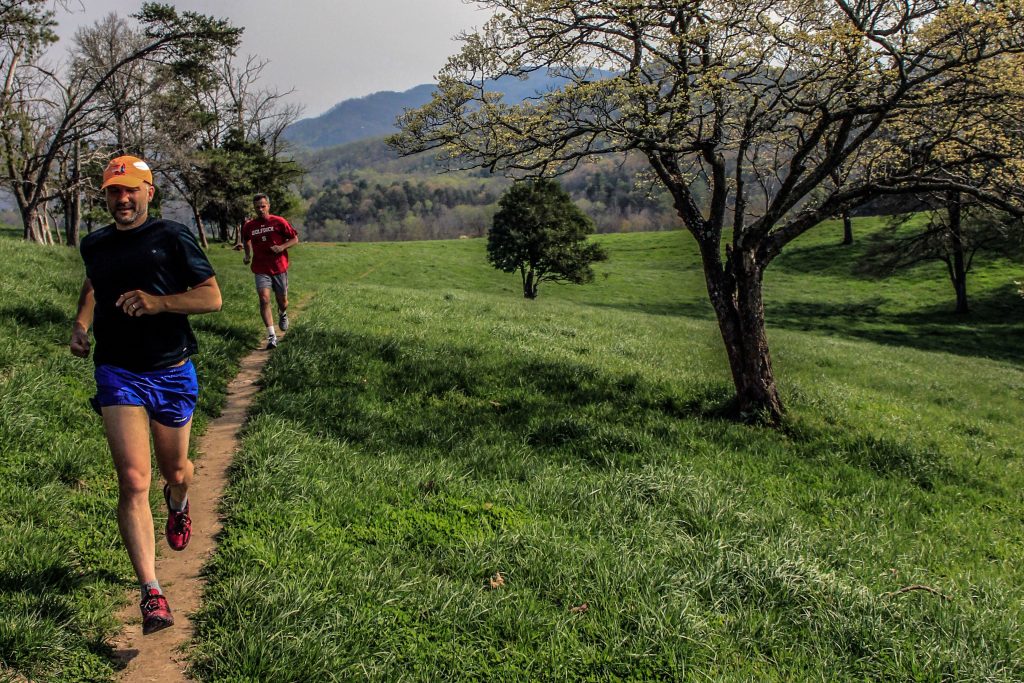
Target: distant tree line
[620, 198]
[355, 209]
[358, 205]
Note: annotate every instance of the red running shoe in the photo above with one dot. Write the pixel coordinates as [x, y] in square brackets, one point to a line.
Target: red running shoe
[179, 524]
[156, 614]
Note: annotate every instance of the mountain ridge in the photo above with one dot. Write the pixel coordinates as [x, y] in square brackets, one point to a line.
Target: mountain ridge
[374, 115]
[357, 118]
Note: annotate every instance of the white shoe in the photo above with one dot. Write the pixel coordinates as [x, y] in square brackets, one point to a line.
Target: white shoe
[271, 342]
[282, 321]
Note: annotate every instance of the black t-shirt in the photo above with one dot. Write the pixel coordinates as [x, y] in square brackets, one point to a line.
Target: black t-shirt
[158, 257]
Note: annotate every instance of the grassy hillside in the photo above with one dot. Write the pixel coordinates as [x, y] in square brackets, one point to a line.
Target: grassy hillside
[424, 430]
[444, 481]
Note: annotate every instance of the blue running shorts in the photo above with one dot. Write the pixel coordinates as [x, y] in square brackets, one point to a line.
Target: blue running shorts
[168, 395]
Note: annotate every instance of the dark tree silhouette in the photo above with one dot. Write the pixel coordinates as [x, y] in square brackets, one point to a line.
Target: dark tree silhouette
[539, 232]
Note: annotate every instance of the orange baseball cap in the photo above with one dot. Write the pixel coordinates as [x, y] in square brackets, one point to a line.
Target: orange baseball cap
[127, 171]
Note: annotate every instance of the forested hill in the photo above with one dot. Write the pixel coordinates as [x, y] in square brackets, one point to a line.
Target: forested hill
[357, 119]
[358, 189]
[364, 191]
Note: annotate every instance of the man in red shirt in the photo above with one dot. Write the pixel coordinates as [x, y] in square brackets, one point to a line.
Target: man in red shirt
[267, 239]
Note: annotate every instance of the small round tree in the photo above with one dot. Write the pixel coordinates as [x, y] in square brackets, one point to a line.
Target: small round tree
[542, 234]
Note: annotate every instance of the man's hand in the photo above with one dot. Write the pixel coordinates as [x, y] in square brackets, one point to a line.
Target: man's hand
[79, 341]
[246, 260]
[277, 248]
[137, 302]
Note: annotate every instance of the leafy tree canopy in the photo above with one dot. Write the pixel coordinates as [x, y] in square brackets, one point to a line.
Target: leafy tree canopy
[539, 232]
[237, 170]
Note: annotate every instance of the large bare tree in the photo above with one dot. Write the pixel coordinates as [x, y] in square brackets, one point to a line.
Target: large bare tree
[44, 116]
[122, 101]
[198, 118]
[787, 111]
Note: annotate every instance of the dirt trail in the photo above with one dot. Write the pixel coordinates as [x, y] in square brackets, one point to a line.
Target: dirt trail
[160, 656]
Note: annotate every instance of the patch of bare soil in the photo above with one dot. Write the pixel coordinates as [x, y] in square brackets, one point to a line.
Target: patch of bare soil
[161, 656]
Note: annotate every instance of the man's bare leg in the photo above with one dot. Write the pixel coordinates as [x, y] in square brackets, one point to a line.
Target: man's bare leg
[170, 445]
[282, 301]
[127, 429]
[265, 310]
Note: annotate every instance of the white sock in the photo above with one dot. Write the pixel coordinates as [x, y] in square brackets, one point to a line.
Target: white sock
[270, 331]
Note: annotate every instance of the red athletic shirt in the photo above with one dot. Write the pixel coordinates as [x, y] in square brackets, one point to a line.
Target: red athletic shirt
[264, 233]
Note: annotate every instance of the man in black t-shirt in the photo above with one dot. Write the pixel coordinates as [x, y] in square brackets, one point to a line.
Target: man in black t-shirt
[143, 277]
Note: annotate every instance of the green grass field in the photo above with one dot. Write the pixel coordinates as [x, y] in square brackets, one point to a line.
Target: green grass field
[424, 429]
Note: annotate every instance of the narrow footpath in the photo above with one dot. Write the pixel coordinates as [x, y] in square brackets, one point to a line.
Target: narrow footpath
[160, 656]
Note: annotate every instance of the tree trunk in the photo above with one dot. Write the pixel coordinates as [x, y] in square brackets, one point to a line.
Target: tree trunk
[33, 222]
[50, 223]
[958, 267]
[847, 229]
[529, 284]
[75, 221]
[203, 242]
[736, 296]
[42, 233]
[73, 201]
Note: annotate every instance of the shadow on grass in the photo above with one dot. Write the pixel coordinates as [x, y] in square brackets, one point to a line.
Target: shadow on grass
[382, 393]
[991, 330]
[47, 590]
[388, 395]
[56, 577]
[241, 334]
[838, 260]
[53, 577]
[700, 309]
[40, 315]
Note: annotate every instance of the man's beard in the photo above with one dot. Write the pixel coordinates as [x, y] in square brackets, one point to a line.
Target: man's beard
[131, 218]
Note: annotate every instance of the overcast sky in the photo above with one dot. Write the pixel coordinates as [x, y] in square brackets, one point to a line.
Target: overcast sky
[327, 50]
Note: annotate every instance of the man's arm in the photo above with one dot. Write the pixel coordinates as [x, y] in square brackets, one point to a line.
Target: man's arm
[285, 246]
[245, 245]
[203, 298]
[278, 248]
[83, 321]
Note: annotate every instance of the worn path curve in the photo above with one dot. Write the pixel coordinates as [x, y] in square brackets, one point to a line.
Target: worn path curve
[160, 657]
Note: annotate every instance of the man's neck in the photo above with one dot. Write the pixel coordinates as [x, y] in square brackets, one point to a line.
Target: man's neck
[138, 221]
